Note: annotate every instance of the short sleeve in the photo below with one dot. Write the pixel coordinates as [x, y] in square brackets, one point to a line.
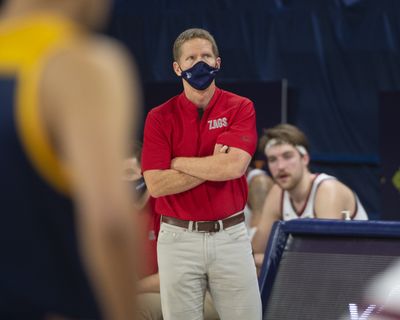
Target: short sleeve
[156, 153]
[242, 131]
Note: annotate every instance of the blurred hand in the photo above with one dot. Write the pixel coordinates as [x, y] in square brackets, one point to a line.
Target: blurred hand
[131, 170]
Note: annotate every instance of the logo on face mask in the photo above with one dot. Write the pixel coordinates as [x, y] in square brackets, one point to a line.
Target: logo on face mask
[200, 76]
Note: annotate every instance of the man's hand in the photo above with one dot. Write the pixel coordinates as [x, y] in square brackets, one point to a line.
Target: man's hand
[131, 170]
[220, 148]
[226, 163]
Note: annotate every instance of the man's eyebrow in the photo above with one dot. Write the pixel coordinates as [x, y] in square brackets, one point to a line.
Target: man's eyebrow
[288, 152]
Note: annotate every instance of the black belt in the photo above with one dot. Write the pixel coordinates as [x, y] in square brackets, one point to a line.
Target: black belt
[205, 226]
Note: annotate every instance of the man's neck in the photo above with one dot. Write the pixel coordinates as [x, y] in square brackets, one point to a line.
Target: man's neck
[200, 98]
[299, 193]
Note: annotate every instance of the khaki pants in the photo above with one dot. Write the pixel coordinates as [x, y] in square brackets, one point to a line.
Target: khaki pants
[192, 262]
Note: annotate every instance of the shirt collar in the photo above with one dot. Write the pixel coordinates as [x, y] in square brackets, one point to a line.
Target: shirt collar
[189, 105]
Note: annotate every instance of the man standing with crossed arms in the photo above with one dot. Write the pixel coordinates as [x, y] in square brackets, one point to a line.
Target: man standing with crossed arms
[201, 188]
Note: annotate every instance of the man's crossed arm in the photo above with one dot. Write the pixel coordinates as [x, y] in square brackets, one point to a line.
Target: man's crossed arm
[226, 163]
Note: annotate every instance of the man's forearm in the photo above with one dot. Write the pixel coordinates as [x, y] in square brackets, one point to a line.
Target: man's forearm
[219, 167]
[166, 182]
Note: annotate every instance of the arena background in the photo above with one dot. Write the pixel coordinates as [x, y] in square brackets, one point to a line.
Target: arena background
[341, 59]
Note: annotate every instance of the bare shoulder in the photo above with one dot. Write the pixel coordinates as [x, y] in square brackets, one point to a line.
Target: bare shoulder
[92, 73]
[333, 187]
[332, 198]
[106, 53]
[276, 192]
[260, 184]
[97, 56]
[261, 180]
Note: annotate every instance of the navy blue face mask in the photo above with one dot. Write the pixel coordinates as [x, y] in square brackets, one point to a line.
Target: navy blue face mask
[200, 75]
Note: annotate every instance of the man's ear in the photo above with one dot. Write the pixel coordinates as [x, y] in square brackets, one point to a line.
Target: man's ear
[306, 159]
[177, 69]
[218, 64]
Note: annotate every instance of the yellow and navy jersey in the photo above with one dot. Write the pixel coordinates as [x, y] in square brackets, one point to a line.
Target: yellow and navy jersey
[40, 269]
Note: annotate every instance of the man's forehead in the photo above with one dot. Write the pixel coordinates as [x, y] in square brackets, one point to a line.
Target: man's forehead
[195, 44]
[279, 148]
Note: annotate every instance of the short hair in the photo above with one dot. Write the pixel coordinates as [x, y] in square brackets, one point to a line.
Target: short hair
[189, 34]
[284, 133]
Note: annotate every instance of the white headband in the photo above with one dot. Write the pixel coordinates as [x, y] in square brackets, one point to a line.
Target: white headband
[273, 142]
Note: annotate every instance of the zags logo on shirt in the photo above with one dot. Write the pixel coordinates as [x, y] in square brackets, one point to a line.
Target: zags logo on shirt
[217, 123]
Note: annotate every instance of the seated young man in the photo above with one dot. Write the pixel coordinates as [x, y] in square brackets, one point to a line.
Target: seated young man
[297, 192]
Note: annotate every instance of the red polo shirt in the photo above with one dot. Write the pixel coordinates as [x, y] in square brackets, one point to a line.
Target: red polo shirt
[174, 129]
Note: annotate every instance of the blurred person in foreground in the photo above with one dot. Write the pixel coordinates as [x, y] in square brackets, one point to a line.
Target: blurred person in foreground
[382, 295]
[67, 98]
[299, 193]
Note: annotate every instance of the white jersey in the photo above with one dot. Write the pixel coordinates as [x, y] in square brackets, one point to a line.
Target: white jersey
[289, 213]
